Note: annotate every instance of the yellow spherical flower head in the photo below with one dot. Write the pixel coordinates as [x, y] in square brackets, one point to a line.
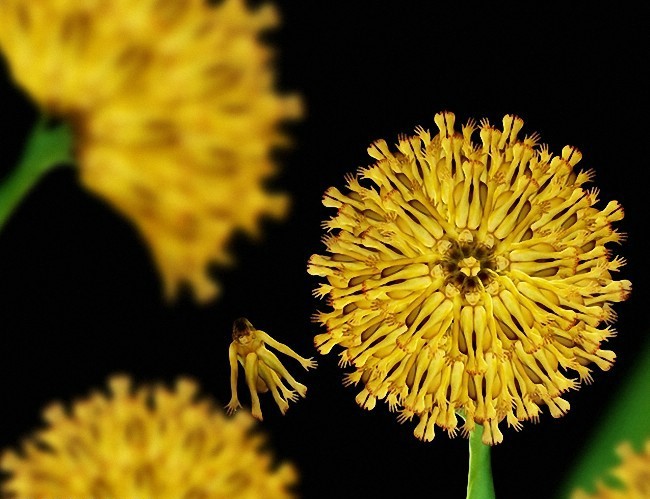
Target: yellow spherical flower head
[633, 475]
[469, 278]
[146, 443]
[174, 110]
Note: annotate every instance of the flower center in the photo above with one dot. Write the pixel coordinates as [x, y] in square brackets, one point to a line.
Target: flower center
[469, 267]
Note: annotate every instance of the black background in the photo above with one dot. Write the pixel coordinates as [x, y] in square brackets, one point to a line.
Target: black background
[80, 298]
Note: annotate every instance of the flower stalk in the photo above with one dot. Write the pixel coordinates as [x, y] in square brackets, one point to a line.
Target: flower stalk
[479, 479]
[47, 147]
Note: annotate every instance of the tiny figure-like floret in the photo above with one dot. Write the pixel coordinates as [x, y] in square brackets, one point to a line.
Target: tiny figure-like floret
[263, 369]
[469, 278]
[149, 442]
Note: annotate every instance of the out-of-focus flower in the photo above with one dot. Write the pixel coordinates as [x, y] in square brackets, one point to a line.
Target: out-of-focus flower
[633, 473]
[469, 278]
[263, 369]
[174, 110]
[146, 443]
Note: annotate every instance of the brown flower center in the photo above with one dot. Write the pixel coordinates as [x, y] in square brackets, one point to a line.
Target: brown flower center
[469, 267]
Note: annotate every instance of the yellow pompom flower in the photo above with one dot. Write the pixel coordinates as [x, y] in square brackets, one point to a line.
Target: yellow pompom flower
[469, 278]
[174, 112]
[150, 442]
[633, 474]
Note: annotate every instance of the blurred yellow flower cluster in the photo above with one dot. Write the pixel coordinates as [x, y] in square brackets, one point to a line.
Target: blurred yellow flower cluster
[468, 278]
[174, 111]
[149, 442]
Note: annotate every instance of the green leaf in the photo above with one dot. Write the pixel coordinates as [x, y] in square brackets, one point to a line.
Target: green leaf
[626, 420]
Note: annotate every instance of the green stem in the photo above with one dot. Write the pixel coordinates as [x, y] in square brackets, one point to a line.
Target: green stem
[479, 480]
[46, 147]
